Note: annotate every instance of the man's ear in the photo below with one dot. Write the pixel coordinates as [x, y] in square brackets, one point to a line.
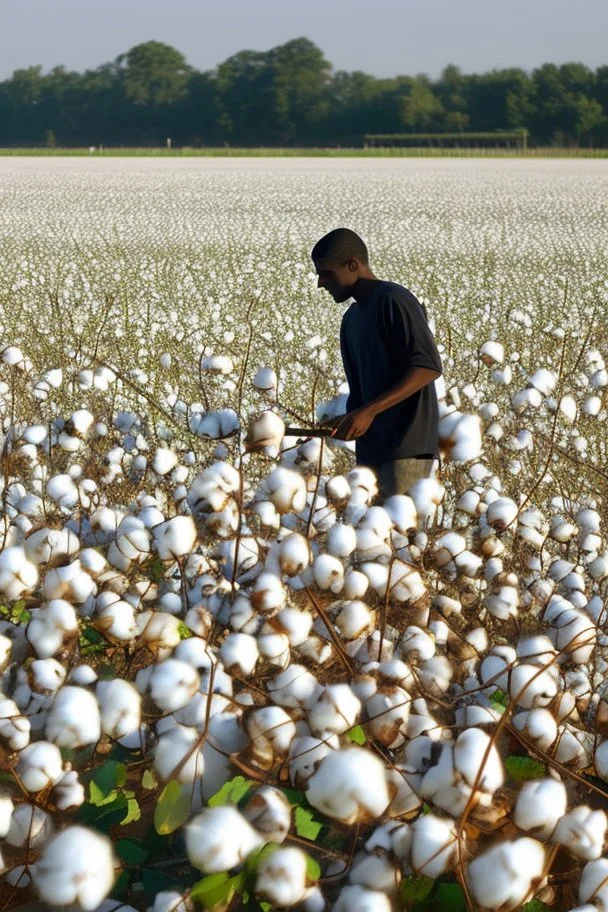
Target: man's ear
[353, 265]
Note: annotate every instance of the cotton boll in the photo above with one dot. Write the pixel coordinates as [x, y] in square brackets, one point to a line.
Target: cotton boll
[6, 811]
[582, 831]
[294, 687]
[505, 874]
[286, 490]
[281, 877]
[600, 761]
[271, 731]
[68, 791]
[171, 684]
[275, 648]
[164, 461]
[471, 755]
[531, 687]
[76, 866]
[537, 724]
[501, 513]
[39, 766]
[175, 537]
[568, 408]
[349, 785]
[29, 825]
[503, 603]
[73, 720]
[117, 621]
[267, 593]
[539, 806]
[178, 755]
[269, 812]
[337, 490]
[433, 845]
[416, 643]
[355, 584]
[592, 406]
[388, 712]
[14, 727]
[157, 630]
[544, 381]
[336, 710]
[51, 546]
[435, 675]
[375, 870]
[427, 494]
[328, 573]
[341, 540]
[239, 651]
[492, 352]
[593, 884]
[574, 633]
[305, 755]
[17, 574]
[219, 839]
[293, 554]
[69, 582]
[267, 430]
[120, 707]
[356, 898]
[353, 619]
[265, 380]
[574, 748]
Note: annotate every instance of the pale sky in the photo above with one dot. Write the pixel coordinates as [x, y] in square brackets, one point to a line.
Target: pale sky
[382, 37]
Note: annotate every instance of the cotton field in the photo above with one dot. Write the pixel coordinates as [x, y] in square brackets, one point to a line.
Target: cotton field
[232, 677]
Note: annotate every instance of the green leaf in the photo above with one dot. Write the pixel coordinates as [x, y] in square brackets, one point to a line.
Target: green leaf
[172, 808]
[231, 792]
[149, 780]
[448, 897]
[184, 631]
[357, 734]
[103, 817]
[120, 890]
[155, 882]
[306, 825]
[415, 889]
[216, 888]
[109, 775]
[535, 905]
[521, 769]
[99, 797]
[499, 700]
[313, 868]
[131, 851]
[133, 812]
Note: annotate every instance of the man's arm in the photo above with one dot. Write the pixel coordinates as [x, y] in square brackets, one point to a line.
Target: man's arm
[356, 423]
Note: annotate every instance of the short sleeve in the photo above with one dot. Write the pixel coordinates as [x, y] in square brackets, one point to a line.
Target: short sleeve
[405, 331]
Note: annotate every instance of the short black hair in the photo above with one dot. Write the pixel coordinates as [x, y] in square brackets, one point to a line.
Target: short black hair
[340, 245]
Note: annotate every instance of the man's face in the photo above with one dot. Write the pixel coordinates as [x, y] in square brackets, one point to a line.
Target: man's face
[337, 279]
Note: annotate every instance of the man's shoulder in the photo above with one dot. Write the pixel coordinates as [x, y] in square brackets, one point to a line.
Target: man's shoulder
[393, 293]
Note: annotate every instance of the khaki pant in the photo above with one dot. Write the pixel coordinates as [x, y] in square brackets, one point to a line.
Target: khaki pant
[396, 477]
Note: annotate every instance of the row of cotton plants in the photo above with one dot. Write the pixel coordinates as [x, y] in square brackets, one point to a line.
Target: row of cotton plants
[256, 610]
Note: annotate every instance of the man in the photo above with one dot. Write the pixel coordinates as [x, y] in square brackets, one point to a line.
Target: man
[391, 362]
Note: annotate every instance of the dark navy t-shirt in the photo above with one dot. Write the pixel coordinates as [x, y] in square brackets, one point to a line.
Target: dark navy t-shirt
[380, 340]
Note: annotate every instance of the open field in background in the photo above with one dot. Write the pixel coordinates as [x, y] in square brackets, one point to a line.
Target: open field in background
[224, 152]
[412, 684]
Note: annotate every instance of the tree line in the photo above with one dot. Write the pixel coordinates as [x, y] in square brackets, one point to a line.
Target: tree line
[291, 96]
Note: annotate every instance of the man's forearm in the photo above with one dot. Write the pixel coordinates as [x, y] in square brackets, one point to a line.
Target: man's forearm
[415, 379]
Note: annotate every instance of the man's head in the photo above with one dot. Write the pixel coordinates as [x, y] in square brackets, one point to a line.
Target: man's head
[340, 259]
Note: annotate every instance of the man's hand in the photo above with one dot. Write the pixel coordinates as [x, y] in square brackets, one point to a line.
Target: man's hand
[354, 424]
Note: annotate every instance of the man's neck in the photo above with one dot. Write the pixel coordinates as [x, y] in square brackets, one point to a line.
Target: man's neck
[364, 288]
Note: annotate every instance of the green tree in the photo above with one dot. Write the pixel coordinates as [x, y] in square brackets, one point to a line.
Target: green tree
[154, 73]
[421, 110]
